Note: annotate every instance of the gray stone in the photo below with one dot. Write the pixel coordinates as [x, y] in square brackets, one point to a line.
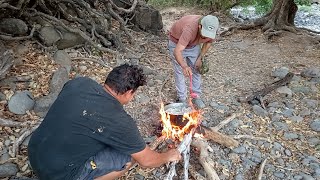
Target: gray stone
[2, 96]
[13, 26]
[280, 161]
[147, 70]
[272, 110]
[311, 72]
[306, 176]
[59, 78]
[280, 72]
[281, 126]
[239, 177]
[279, 174]
[285, 90]
[314, 141]
[305, 112]
[290, 136]
[43, 104]
[296, 119]
[8, 169]
[275, 105]
[219, 106]
[240, 150]
[278, 146]
[315, 125]
[259, 111]
[311, 103]
[7, 142]
[69, 40]
[236, 123]
[247, 163]
[143, 99]
[315, 80]
[288, 112]
[301, 89]
[49, 35]
[138, 177]
[61, 57]
[4, 157]
[276, 118]
[21, 102]
[288, 152]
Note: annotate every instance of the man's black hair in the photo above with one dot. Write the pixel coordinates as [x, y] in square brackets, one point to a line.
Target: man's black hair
[125, 77]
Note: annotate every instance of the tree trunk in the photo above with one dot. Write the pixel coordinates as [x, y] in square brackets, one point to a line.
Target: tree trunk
[281, 17]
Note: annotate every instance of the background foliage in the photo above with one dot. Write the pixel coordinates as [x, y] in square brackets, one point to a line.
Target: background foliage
[261, 6]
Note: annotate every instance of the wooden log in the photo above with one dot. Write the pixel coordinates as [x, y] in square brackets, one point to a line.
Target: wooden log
[204, 159]
[218, 137]
[257, 96]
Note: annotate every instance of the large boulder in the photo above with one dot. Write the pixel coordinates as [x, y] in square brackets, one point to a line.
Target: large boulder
[13, 26]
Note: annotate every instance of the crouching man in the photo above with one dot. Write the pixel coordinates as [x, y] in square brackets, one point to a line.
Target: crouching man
[87, 134]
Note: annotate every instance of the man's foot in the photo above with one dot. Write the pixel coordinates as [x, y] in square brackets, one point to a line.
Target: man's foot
[198, 103]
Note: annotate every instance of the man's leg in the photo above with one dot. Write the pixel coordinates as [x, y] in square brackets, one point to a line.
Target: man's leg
[116, 174]
[178, 74]
[107, 164]
[191, 55]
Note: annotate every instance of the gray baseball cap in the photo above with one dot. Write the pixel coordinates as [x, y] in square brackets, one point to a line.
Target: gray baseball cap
[210, 25]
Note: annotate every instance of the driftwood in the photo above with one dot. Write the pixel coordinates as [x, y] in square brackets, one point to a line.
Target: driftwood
[261, 169]
[218, 137]
[257, 96]
[204, 159]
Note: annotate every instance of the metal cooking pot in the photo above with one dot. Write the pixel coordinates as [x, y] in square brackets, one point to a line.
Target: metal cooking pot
[176, 111]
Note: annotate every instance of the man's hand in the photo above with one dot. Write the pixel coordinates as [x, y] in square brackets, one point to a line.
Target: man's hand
[173, 155]
[198, 63]
[187, 71]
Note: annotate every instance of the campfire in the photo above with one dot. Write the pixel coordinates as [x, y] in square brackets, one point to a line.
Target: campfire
[182, 125]
[178, 120]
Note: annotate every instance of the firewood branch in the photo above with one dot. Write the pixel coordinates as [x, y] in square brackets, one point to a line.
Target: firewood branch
[204, 159]
[225, 122]
[18, 142]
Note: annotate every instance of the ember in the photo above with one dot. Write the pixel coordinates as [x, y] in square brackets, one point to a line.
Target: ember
[178, 120]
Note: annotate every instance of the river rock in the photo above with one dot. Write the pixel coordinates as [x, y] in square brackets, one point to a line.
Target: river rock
[13, 26]
[49, 35]
[311, 72]
[8, 169]
[280, 72]
[61, 57]
[315, 125]
[21, 102]
[59, 78]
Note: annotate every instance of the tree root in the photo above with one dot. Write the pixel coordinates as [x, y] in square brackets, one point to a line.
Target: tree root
[261, 169]
[18, 142]
[90, 59]
[12, 123]
[93, 24]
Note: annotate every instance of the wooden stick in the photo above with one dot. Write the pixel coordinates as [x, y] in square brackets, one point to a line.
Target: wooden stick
[205, 160]
[183, 148]
[219, 137]
[261, 169]
[11, 123]
[250, 137]
[224, 122]
[195, 174]
[157, 142]
[16, 144]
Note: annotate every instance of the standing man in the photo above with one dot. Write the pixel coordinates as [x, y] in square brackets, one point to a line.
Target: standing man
[88, 135]
[185, 37]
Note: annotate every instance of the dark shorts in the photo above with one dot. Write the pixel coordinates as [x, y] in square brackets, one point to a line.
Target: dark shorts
[103, 163]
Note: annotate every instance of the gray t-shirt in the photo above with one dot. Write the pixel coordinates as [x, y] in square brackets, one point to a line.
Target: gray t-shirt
[82, 121]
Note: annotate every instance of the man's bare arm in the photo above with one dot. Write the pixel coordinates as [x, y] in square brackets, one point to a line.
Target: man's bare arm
[149, 159]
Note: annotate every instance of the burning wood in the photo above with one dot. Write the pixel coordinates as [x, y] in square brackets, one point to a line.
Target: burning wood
[180, 123]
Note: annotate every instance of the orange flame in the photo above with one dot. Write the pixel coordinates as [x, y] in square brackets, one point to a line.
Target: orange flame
[174, 131]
